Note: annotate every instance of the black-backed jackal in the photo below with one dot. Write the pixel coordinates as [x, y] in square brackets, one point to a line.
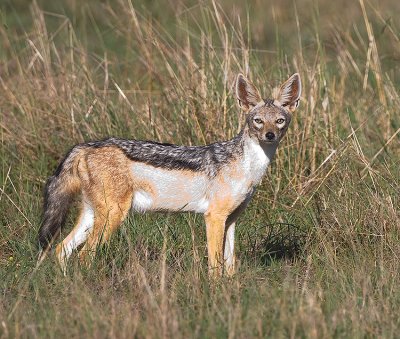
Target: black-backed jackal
[218, 180]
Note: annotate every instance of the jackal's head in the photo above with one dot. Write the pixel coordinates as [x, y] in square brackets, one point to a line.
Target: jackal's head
[268, 119]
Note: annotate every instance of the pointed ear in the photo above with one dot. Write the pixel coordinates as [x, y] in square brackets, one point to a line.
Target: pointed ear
[289, 93]
[246, 93]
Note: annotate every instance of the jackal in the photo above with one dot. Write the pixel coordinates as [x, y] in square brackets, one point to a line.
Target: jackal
[116, 175]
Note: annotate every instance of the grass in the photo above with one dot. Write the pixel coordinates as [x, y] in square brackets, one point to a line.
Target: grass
[318, 246]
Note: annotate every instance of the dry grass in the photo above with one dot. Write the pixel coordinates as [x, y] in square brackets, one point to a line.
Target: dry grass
[319, 244]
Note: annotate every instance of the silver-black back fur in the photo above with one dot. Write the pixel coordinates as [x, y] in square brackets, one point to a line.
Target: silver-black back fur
[208, 158]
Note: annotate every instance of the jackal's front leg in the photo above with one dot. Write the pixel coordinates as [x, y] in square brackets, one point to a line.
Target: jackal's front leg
[215, 224]
[229, 249]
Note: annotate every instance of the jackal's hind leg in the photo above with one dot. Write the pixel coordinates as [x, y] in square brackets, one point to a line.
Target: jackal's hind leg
[76, 237]
[106, 221]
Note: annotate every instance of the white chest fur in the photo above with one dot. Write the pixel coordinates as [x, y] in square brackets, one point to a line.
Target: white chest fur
[256, 159]
[247, 173]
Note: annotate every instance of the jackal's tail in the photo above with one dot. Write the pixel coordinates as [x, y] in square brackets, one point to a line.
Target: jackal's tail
[59, 193]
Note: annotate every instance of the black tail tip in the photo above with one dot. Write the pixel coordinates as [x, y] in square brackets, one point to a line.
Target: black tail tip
[45, 238]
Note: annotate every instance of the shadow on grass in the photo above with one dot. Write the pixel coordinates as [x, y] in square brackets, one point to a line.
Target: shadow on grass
[278, 241]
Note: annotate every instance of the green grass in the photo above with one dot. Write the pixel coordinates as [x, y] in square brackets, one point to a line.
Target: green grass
[318, 246]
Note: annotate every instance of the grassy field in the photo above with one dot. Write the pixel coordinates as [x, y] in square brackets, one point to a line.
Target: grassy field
[319, 245]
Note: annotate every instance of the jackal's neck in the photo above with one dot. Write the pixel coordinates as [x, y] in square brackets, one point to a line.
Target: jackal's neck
[256, 156]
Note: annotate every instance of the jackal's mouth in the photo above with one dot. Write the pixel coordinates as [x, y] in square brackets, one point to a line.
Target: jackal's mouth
[270, 142]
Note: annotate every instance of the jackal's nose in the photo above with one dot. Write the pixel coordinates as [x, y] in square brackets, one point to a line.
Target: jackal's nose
[270, 136]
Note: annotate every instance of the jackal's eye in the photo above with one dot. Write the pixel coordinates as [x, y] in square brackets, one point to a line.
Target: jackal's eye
[258, 121]
[280, 121]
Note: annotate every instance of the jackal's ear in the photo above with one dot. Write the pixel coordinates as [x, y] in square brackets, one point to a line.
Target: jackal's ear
[289, 93]
[246, 93]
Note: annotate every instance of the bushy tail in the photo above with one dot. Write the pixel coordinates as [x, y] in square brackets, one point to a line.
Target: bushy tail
[59, 193]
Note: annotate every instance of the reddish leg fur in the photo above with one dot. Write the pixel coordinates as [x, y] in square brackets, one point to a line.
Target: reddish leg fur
[106, 221]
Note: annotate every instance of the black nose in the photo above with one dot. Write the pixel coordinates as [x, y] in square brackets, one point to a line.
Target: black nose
[270, 136]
